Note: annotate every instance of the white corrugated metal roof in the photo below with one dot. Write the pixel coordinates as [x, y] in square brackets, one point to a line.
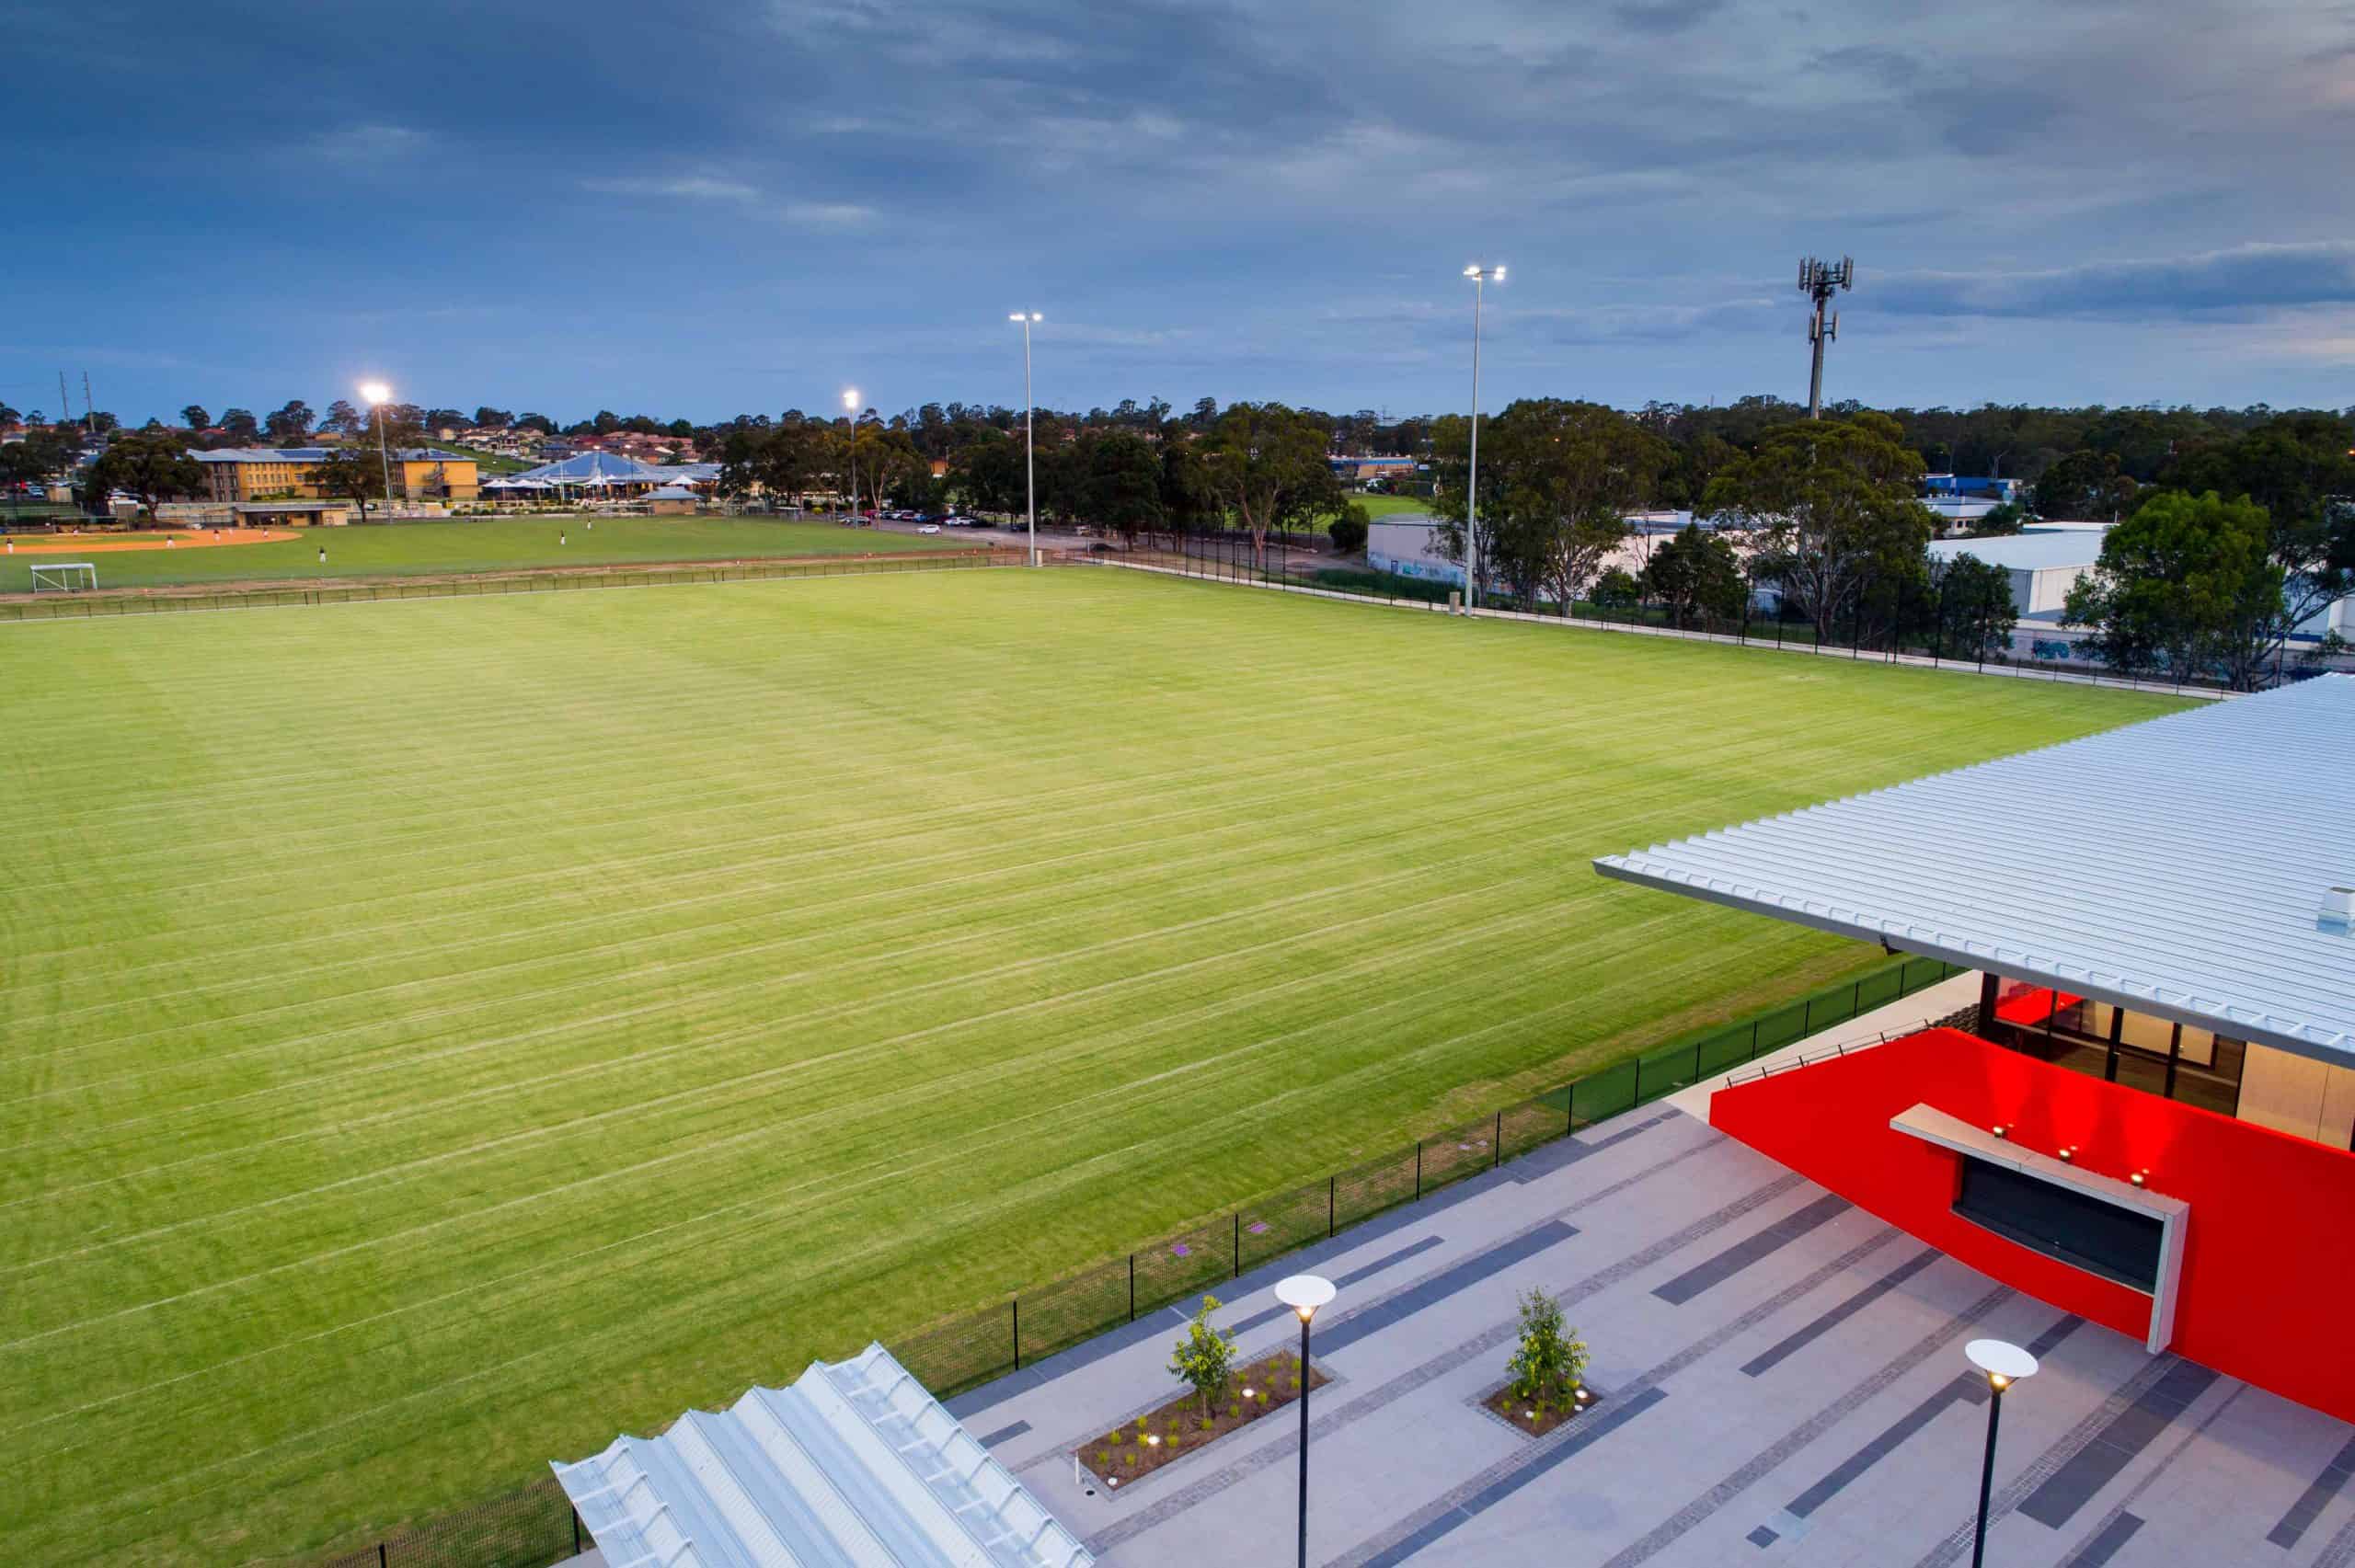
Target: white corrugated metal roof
[2175, 867]
[2023, 551]
[853, 1465]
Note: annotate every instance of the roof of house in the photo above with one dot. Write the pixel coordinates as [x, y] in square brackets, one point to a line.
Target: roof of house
[673, 493]
[854, 1464]
[582, 468]
[2025, 552]
[315, 453]
[2175, 867]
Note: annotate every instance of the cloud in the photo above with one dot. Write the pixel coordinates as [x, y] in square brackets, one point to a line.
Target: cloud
[829, 215]
[2245, 281]
[685, 187]
[1666, 16]
[371, 143]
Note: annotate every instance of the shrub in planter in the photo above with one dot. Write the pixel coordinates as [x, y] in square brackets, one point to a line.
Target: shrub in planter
[1205, 1357]
[1549, 1360]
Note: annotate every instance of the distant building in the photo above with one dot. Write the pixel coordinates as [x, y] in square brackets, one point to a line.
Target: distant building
[283, 473]
[1361, 469]
[1964, 484]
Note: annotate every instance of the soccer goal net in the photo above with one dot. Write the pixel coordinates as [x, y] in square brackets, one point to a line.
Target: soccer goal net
[64, 577]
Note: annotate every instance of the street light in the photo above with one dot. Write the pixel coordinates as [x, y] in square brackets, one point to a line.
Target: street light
[850, 401]
[1030, 458]
[1481, 277]
[1304, 1293]
[2004, 1365]
[375, 394]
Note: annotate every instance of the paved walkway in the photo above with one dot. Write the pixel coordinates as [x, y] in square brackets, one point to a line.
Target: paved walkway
[1783, 1381]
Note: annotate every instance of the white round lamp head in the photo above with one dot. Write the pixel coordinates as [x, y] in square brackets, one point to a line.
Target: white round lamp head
[1304, 1293]
[374, 392]
[2004, 1362]
[850, 400]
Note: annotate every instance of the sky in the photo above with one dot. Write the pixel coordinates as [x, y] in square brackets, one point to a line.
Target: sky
[702, 209]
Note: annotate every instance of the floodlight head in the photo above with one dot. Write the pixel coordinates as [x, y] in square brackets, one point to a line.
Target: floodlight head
[1304, 1293]
[1036, 316]
[1498, 274]
[850, 399]
[1017, 315]
[1473, 270]
[374, 392]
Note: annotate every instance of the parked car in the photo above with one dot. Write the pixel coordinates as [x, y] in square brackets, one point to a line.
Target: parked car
[929, 528]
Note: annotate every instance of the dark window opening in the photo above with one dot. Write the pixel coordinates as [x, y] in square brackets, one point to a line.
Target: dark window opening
[2076, 1227]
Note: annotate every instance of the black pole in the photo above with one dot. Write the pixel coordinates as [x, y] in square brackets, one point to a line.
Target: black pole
[1238, 1244]
[1986, 1477]
[1332, 1194]
[1016, 1304]
[1497, 1143]
[1304, 1437]
[1133, 1287]
[2117, 1028]
[1418, 1169]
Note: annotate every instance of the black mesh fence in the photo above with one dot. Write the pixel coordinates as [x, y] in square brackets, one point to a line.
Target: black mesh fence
[534, 1525]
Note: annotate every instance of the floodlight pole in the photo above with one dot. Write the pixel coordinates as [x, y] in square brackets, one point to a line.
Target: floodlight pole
[1479, 276]
[1029, 439]
[385, 459]
[850, 402]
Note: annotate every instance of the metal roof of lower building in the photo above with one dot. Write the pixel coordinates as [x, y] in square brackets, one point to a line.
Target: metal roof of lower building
[2176, 867]
[853, 1465]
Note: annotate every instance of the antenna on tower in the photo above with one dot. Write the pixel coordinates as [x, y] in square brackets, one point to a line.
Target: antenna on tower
[1819, 281]
[89, 411]
[64, 401]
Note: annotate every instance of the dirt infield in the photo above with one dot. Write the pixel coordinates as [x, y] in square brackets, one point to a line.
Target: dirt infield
[179, 539]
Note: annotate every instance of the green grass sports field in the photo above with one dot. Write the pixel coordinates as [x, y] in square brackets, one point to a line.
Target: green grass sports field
[439, 1035]
[477, 545]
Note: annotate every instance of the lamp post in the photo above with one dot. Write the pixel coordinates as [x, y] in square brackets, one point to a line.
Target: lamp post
[1304, 1293]
[1029, 455]
[850, 402]
[375, 394]
[2005, 1363]
[1481, 277]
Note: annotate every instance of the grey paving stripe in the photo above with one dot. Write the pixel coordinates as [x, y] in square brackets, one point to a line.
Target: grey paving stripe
[2008, 1497]
[2341, 1551]
[1584, 1436]
[1473, 1270]
[1808, 1333]
[1004, 1433]
[1342, 1281]
[2104, 1546]
[2155, 1475]
[1800, 1436]
[2317, 1497]
[1966, 1388]
[1750, 1249]
[1544, 1162]
[1381, 1395]
[1652, 1377]
[2117, 1444]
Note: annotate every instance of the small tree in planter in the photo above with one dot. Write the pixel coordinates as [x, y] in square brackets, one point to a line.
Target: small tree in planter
[1549, 1363]
[1205, 1357]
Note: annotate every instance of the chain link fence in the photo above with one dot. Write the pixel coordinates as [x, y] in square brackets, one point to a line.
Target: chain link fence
[160, 601]
[1890, 625]
[534, 1525]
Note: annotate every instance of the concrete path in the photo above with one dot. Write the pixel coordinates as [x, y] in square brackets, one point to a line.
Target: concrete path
[1783, 1382]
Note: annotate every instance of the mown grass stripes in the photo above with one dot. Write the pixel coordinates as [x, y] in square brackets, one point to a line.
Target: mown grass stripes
[439, 1034]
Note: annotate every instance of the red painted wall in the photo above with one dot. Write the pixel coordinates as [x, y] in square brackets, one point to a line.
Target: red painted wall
[2269, 1275]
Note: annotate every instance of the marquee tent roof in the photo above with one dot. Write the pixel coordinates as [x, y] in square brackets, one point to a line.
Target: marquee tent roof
[2178, 867]
[594, 468]
[854, 1464]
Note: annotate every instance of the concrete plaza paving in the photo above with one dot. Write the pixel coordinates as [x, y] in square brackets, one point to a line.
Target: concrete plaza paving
[1783, 1382]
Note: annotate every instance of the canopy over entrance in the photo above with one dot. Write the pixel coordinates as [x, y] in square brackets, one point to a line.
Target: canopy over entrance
[2185, 867]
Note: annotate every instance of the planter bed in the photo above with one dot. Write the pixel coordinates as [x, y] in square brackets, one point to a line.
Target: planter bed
[1161, 1437]
[1515, 1412]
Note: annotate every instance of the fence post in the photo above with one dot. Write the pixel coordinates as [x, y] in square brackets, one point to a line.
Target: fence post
[1639, 1083]
[1807, 1019]
[380, 1554]
[575, 1532]
[1570, 1108]
[1133, 1287]
[1856, 1000]
[1696, 1061]
[1017, 1305]
[1418, 1169]
[1753, 1039]
[1332, 1196]
[1497, 1143]
[1238, 1244]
